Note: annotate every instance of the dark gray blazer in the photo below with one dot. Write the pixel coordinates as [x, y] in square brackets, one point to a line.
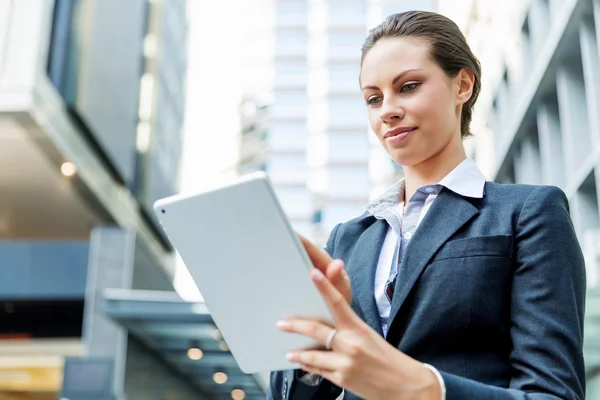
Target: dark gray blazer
[491, 293]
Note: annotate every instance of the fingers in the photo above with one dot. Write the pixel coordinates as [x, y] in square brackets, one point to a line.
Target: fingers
[315, 330]
[318, 362]
[335, 271]
[332, 269]
[336, 302]
[333, 366]
[339, 278]
[314, 370]
[330, 375]
[319, 257]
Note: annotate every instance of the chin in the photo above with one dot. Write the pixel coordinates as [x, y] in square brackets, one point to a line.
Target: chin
[410, 156]
[405, 158]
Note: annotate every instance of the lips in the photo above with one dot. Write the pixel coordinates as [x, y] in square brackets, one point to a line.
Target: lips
[398, 131]
[398, 134]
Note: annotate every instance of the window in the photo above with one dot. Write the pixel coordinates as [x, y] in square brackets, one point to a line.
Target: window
[347, 111]
[289, 12]
[347, 8]
[290, 97]
[291, 68]
[288, 135]
[291, 37]
[344, 74]
[346, 40]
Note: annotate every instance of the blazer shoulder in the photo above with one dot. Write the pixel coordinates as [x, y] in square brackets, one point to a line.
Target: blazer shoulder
[519, 193]
[360, 222]
[352, 228]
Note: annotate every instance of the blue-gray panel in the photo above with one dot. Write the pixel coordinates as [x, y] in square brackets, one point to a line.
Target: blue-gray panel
[158, 170]
[62, 50]
[43, 270]
[108, 95]
[168, 326]
[147, 377]
[166, 149]
[88, 379]
[95, 61]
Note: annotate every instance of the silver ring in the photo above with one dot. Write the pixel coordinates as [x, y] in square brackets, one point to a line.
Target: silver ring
[330, 338]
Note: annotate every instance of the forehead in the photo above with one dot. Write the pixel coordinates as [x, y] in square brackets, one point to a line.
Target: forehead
[391, 56]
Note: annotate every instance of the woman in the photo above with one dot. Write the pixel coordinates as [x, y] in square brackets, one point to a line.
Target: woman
[450, 287]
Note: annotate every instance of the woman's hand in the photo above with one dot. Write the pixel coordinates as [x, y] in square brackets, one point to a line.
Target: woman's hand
[360, 359]
[332, 269]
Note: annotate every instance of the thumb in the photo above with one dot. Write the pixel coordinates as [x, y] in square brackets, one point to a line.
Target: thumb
[335, 271]
[319, 257]
[339, 278]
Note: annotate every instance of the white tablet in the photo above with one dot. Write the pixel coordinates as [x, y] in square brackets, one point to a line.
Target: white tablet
[249, 265]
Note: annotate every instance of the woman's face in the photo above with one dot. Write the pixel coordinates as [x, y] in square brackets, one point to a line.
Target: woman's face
[413, 106]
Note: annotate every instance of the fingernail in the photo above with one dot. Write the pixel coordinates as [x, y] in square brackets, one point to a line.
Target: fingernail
[291, 357]
[282, 324]
[317, 275]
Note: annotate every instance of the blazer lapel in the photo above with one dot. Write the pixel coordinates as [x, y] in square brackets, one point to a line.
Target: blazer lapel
[448, 213]
[361, 267]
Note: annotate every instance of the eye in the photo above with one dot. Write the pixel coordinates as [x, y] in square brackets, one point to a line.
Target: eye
[409, 87]
[373, 100]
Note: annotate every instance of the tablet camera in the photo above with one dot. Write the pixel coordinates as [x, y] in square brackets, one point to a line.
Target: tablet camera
[163, 211]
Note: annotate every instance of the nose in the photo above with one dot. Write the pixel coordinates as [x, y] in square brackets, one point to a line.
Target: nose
[391, 110]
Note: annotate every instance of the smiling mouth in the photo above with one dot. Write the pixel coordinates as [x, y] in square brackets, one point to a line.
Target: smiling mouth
[400, 135]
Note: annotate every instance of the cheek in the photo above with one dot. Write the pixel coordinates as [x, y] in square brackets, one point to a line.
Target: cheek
[431, 109]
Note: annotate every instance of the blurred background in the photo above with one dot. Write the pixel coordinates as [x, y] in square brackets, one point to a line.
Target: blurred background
[108, 105]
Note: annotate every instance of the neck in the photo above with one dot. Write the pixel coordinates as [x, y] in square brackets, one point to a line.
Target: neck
[433, 169]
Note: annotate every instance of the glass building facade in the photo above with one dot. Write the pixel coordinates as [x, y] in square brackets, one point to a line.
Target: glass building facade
[92, 94]
[538, 120]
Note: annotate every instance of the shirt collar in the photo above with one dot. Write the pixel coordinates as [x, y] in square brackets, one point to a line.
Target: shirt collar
[465, 179]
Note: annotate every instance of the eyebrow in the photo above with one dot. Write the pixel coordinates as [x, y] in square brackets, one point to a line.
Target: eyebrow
[396, 79]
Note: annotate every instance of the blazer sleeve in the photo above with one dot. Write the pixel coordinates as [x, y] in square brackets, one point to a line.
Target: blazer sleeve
[287, 385]
[547, 309]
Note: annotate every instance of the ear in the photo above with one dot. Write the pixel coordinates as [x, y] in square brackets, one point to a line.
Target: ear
[465, 81]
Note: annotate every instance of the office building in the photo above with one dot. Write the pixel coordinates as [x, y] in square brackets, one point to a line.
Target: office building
[92, 95]
[303, 60]
[287, 130]
[348, 164]
[253, 142]
[275, 79]
[338, 145]
[539, 121]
